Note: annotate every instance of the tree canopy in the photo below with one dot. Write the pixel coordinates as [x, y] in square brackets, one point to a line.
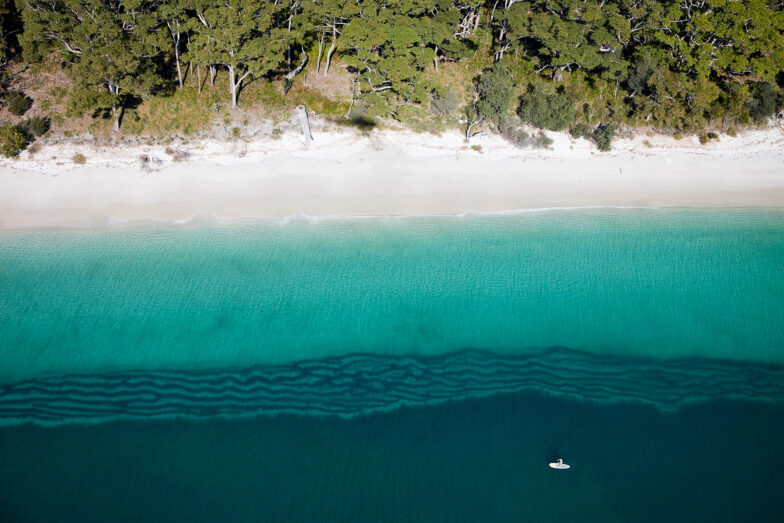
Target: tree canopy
[676, 65]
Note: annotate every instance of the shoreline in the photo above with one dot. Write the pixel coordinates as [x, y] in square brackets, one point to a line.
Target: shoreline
[389, 173]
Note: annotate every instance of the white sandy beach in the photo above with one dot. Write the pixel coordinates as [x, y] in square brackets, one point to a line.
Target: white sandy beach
[386, 173]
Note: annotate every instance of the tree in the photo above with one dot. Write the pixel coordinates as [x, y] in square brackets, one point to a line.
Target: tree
[175, 19]
[242, 35]
[555, 112]
[109, 45]
[388, 47]
[495, 91]
[327, 18]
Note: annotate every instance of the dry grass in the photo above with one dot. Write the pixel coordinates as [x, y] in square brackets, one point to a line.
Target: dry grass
[79, 158]
[185, 112]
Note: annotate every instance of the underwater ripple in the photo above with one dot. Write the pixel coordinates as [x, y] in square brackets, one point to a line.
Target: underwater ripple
[354, 385]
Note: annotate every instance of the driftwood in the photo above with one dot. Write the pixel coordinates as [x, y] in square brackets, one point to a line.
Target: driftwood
[304, 124]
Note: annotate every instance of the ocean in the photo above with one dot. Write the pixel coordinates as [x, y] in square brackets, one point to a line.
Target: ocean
[396, 369]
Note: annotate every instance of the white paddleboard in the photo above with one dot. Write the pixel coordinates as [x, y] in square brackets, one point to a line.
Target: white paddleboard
[559, 465]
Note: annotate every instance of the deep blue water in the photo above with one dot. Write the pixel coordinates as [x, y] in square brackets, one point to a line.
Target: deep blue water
[475, 460]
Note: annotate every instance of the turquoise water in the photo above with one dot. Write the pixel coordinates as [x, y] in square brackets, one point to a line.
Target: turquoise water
[396, 369]
[648, 283]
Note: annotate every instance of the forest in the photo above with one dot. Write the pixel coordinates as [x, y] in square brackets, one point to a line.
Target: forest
[587, 66]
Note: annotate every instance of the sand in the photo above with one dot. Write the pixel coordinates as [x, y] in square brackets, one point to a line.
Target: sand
[345, 173]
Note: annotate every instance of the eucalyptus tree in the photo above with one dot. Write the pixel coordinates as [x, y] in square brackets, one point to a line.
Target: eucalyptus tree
[389, 45]
[109, 47]
[737, 40]
[244, 36]
[175, 16]
[327, 18]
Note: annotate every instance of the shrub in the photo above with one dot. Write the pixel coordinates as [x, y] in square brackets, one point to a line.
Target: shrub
[12, 141]
[39, 125]
[18, 103]
[235, 132]
[542, 141]
[704, 139]
[477, 148]
[445, 105]
[58, 93]
[732, 132]
[79, 158]
[713, 136]
[34, 127]
[678, 136]
[547, 111]
[581, 130]
[604, 135]
[511, 131]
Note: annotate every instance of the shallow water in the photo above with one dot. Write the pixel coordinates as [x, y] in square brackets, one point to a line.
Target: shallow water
[649, 283]
[396, 369]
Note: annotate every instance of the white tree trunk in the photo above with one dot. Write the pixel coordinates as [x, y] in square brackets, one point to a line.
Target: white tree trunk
[232, 87]
[289, 78]
[176, 37]
[320, 51]
[331, 50]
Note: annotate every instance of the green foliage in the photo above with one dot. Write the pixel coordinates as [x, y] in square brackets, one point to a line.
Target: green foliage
[581, 130]
[12, 141]
[389, 47]
[495, 91]
[547, 111]
[34, 127]
[674, 66]
[111, 47]
[603, 135]
[17, 103]
[765, 101]
[245, 36]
